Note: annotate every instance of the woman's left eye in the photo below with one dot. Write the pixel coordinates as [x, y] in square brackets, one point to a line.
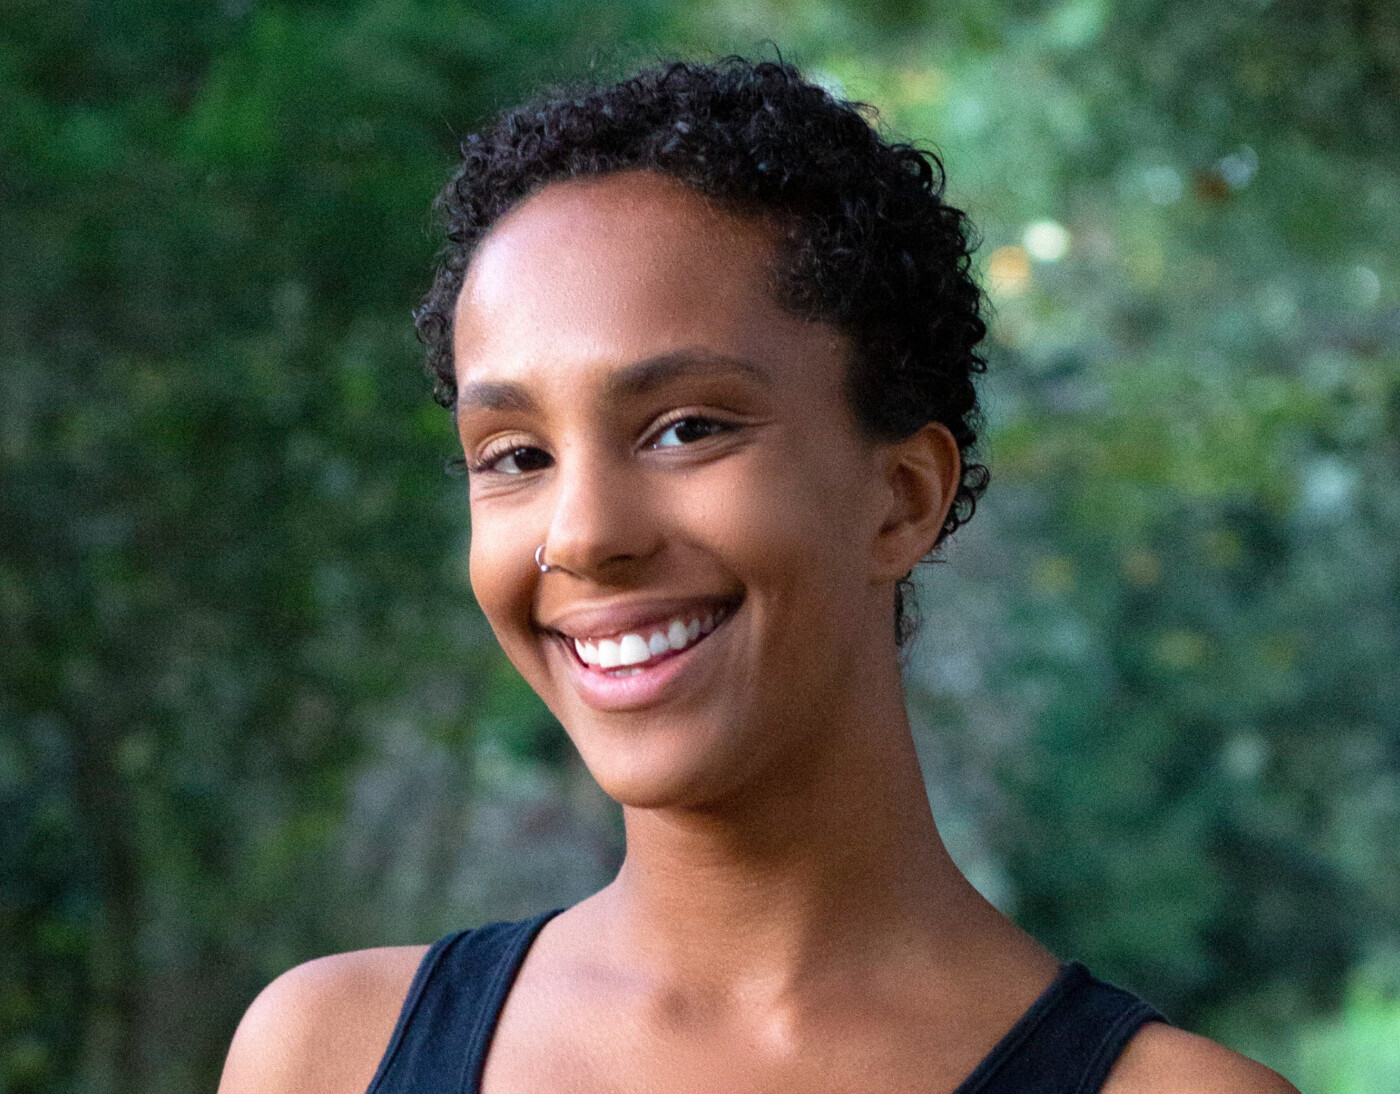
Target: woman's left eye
[688, 431]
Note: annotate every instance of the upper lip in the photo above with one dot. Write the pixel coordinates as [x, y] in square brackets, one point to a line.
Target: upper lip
[622, 617]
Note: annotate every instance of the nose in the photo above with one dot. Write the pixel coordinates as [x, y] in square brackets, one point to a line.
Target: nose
[602, 522]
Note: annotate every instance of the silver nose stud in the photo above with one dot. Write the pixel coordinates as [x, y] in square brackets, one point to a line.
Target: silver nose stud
[544, 566]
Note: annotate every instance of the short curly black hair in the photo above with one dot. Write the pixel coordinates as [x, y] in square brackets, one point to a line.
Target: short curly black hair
[867, 242]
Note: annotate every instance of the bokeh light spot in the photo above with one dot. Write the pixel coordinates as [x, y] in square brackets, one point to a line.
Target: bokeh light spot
[1046, 240]
[1008, 271]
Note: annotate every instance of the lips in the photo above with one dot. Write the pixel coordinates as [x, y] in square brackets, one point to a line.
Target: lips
[647, 678]
[646, 644]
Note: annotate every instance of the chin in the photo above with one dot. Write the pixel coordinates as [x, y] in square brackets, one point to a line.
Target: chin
[651, 772]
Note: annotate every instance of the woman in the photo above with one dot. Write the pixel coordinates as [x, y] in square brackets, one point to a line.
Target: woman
[710, 345]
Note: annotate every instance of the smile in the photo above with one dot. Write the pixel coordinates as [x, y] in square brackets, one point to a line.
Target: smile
[627, 653]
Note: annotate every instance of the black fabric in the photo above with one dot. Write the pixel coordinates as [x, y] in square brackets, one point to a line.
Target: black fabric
[439, 1045]
[1064, 1044]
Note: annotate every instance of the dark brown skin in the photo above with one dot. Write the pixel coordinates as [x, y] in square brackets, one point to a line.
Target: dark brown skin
[786, 918]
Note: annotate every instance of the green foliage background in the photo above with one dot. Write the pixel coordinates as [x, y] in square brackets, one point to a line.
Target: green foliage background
[249, 713]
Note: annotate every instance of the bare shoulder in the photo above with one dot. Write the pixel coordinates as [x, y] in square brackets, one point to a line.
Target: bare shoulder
[322, 1027]
[1162, 1059]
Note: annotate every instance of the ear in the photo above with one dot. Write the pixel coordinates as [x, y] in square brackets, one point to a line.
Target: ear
[921, 474]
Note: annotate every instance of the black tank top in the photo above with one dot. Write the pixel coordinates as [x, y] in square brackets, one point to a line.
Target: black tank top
[1064, 1044]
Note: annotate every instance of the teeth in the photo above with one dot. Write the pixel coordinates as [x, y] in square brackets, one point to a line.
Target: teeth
[634, 649]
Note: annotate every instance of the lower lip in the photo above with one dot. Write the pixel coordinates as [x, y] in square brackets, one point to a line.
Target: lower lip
[637, 690]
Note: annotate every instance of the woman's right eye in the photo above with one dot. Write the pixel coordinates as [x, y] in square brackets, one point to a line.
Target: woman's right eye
[516, 461]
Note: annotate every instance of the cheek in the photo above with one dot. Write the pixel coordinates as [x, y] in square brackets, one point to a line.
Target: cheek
[501, 568]
[794, 531]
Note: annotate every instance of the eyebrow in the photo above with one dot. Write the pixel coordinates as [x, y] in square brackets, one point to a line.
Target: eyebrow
[637, 379]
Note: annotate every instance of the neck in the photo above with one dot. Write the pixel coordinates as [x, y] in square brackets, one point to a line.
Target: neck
[825, 862]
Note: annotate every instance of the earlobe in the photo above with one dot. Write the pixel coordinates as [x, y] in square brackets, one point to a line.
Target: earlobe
[922, 474]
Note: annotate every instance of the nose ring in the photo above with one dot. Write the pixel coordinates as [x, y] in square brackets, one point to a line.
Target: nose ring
[545, 567]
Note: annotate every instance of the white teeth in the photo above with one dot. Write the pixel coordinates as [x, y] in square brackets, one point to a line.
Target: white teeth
[634, 649]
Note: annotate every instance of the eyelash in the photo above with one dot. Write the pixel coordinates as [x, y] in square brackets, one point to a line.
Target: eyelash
[494, 456]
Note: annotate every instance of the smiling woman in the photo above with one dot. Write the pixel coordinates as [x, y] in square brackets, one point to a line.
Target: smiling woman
[710, 344]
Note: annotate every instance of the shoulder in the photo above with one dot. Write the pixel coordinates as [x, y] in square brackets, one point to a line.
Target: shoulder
[322, 1027]
[1162, 1059]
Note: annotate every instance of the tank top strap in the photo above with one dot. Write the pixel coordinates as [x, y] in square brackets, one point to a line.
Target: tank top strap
[1066, 1043]
[444, 1029]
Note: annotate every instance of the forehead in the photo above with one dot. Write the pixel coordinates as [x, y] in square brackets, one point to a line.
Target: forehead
[616, 269]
